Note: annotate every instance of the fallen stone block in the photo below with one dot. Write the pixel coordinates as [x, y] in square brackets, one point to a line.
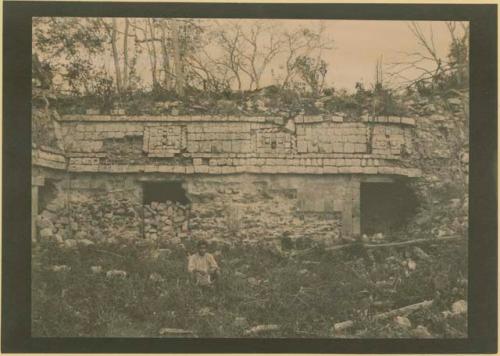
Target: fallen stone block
[421, 332]
[459, 307]
[96, 269]
[403, 321]
[60, 268]
[175, 332]
[260, 329]
[116, 273]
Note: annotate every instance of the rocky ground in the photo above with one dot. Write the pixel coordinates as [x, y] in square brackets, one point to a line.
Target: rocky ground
[115, 288]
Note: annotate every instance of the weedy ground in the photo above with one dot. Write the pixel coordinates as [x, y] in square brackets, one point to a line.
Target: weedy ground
[305, 294]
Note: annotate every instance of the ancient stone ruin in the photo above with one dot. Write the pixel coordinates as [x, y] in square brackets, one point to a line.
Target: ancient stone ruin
[217, 177]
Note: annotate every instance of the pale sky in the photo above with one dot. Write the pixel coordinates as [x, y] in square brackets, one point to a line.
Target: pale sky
[357, 45]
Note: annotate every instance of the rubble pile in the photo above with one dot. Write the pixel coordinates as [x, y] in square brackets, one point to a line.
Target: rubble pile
[166, 220]
[105, 217]
[99, 218]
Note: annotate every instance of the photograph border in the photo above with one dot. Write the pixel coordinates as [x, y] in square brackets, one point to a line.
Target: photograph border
[16, 228]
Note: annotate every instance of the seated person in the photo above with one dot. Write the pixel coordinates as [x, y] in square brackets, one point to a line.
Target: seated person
[203, 266]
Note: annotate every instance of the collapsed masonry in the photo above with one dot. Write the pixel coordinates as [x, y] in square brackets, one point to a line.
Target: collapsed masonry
[214, 177]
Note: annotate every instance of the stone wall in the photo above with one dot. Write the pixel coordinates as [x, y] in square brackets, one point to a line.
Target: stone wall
[246, 207]
[246, 177]
[229, 145]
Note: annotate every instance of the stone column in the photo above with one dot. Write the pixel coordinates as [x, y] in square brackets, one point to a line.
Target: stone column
[35, 183]
[351, 212]
[356, 205]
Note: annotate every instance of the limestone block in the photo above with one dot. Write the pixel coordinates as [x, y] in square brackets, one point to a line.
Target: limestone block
[338, 147]
[281, 169]
[317, 170]
[360, 147]
[312, 147]
[330, 170]
[192, 146]
[165, 169]
[299, 119]
[236, 146]
[201, 169]
[253, 169]
[327, 147]
[385, 170]
[370, 170]
[150, 168]
[301, 146]
[349, 148]
[179, 169]
[301, 169]
[226, 146]
[408, 121]
[215, 170]
[268, 169]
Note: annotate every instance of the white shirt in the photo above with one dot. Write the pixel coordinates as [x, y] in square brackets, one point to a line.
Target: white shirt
[205, 263]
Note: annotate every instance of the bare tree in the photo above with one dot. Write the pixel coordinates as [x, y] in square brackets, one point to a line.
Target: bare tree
[427, 62]
[125, 56]
[260, 53]
[167, 75]
[379, 73]
[229, 41]
[302, 43]
[179, 71]
[116, 59]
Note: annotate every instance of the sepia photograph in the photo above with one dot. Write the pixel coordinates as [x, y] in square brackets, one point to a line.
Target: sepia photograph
[249, 178]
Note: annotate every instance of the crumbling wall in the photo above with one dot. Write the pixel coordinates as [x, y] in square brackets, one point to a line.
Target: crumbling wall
[92, 208]
[225, 209]
[251, 207]
[441, 153]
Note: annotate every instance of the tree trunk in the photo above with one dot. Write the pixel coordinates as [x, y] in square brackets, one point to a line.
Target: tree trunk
[115, 58]
[125, 56]
[179, 75]
[166, 62]
[154, 57]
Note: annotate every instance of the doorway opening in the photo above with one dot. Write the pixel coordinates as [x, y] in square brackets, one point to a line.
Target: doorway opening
[386, 207]
[46, 194]
[162, 192]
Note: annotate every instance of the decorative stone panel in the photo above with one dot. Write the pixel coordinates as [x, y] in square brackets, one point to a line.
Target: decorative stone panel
[274, 141]
[164, 141]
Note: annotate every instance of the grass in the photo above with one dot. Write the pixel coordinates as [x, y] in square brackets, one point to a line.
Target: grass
[304, 295]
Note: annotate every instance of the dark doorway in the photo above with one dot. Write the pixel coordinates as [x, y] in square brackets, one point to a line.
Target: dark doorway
[164, 191]
[386, 207]
[46, 193]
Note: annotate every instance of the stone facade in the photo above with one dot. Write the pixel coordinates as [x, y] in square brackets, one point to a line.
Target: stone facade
[229, 145]
[245, 177]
